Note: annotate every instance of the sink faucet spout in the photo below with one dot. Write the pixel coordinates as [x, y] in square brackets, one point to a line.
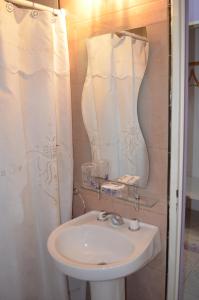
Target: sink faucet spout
[115, 218]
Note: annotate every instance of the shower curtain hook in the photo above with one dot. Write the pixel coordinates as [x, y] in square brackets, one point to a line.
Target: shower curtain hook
[9, 7]
[53, 19]
[34, 12]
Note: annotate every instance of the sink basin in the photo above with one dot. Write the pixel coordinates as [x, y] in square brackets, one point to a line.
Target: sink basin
[93, 245]
[92, 250]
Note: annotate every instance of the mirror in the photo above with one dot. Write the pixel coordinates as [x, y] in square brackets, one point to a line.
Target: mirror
[115, 71]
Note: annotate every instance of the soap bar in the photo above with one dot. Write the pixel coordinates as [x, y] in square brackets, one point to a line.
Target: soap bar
[128, 179]
[112, 189]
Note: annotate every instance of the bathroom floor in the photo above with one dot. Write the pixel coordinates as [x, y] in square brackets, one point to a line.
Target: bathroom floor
[191, 255]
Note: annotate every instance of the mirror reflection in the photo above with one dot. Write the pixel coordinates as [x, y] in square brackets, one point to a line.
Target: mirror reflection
[116, 67]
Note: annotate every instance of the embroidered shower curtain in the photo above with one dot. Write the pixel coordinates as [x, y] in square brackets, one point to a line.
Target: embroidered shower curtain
[35, 150]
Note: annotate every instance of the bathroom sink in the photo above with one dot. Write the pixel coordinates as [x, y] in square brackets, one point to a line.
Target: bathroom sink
[88, 249]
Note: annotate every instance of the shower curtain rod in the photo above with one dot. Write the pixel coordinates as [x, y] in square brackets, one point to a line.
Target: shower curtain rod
[133, 35]
[35, 5]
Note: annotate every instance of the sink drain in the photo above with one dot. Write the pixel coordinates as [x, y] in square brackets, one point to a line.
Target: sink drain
[102, 263]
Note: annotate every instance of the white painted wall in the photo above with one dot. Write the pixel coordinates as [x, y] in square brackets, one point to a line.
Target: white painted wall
[193, 12]
[178, 43]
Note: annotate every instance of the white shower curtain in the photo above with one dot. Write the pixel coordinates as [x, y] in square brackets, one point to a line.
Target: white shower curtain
[35, 150]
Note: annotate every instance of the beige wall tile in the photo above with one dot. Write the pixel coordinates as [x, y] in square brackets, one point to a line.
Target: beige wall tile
[78, 61]
[87, 9]
[51, 3]
[79, 131]
[132, 18]
[81, 154]
[93, 16]
[157, 184]
[153, 112]
[146, 284]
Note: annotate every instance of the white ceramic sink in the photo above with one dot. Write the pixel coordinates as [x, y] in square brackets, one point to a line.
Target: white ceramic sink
[92, 250]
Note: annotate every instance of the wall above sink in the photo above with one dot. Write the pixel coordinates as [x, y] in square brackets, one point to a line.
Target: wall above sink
[153, 95]
[112, 16]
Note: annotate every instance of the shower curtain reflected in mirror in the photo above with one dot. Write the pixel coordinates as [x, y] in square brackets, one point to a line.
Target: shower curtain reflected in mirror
[116, 67]
[35, 150]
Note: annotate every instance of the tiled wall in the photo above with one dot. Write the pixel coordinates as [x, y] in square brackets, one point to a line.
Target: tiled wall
[91, 17]
[51, 3]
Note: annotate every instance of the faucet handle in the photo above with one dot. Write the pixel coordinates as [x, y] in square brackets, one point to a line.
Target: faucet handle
[102, 215]
[134, 224]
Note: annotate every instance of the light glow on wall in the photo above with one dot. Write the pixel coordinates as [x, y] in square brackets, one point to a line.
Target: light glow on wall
[89, 9]
[93, 7]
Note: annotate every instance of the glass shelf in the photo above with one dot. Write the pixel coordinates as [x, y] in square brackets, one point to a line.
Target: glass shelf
[130, 193]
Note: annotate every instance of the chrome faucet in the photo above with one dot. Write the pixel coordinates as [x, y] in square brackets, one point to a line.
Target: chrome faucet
[115, 218]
